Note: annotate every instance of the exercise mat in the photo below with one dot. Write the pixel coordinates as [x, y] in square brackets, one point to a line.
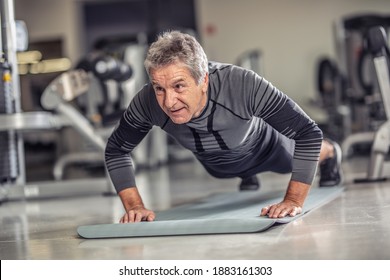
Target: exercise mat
[233, 212]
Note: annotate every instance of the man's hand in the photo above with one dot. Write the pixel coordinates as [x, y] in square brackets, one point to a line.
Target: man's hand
[292, 203]
[138, 214]
[282, 209]
[135, 209]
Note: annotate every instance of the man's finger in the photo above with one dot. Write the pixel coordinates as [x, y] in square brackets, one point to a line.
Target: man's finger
[138, 217]
[131, 216]
[135, 216]
[264, 211]
[268, 210]
[295, 211]
[151, 217]
[124, 219]
[283, 213]
[274, 211]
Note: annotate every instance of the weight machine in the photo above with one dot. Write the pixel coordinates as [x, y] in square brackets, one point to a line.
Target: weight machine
[379, 164]
[14, 123]
[356, 90]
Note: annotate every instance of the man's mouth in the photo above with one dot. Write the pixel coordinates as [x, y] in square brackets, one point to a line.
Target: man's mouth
[176, 111]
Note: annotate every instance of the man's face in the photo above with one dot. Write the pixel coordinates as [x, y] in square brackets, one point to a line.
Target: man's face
[177, 92]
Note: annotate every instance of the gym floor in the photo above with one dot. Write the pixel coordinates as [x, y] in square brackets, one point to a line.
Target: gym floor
[356, 225]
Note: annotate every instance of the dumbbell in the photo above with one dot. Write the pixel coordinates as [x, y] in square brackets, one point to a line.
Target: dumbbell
[109, 68]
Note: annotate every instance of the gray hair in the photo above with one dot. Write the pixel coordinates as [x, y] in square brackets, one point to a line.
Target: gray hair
[174, 46]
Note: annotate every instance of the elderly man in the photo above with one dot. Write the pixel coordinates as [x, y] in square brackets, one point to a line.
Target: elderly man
[235, 122]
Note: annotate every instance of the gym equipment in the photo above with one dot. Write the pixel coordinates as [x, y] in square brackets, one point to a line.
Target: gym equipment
[74, 84]
[57, 97]
[14, 123]
[222, 213]
[106, 67]
[11, 145]
[8, 139]
[330, 85]
[348, 87]
[359, 84]
[379, 166]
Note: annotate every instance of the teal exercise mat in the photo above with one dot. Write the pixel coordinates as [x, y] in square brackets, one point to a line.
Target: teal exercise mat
[233, 212]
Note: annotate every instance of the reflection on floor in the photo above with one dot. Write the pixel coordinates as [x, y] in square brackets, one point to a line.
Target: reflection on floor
[354, 226]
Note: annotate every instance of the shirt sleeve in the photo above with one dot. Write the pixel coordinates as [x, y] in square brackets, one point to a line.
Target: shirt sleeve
[131, 129]
[284, 115]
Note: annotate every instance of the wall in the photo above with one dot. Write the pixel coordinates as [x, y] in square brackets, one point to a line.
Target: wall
[292, 35]
[52, 19]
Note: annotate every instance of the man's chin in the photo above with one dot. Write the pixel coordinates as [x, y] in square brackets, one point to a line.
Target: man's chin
[179, 120]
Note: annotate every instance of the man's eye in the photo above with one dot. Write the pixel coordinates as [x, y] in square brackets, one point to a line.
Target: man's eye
[179, 86]
[158, 89]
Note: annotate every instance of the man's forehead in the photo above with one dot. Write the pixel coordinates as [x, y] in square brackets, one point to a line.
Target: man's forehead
[170, 73]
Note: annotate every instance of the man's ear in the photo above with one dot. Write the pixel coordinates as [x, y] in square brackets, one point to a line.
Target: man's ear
[205, 84]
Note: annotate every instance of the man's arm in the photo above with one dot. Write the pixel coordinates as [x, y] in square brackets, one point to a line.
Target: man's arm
[292, 203]
[134, 125]
[134, 207]
[285, 116]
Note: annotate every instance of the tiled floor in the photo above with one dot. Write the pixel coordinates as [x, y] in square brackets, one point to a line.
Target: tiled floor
[355, 225]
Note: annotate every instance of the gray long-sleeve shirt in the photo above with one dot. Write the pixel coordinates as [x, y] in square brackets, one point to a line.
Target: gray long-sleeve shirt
[246, 122]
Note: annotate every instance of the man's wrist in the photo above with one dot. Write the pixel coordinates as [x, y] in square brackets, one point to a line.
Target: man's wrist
[297, 192]
[131, 199]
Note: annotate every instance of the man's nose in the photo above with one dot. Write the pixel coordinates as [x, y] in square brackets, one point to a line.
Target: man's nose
[170, 99]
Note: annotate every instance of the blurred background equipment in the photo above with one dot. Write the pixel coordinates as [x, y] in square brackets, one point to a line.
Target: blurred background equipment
[347, 84]
[10, 144]
[355, 90]
[377, 45]
[14, 123]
